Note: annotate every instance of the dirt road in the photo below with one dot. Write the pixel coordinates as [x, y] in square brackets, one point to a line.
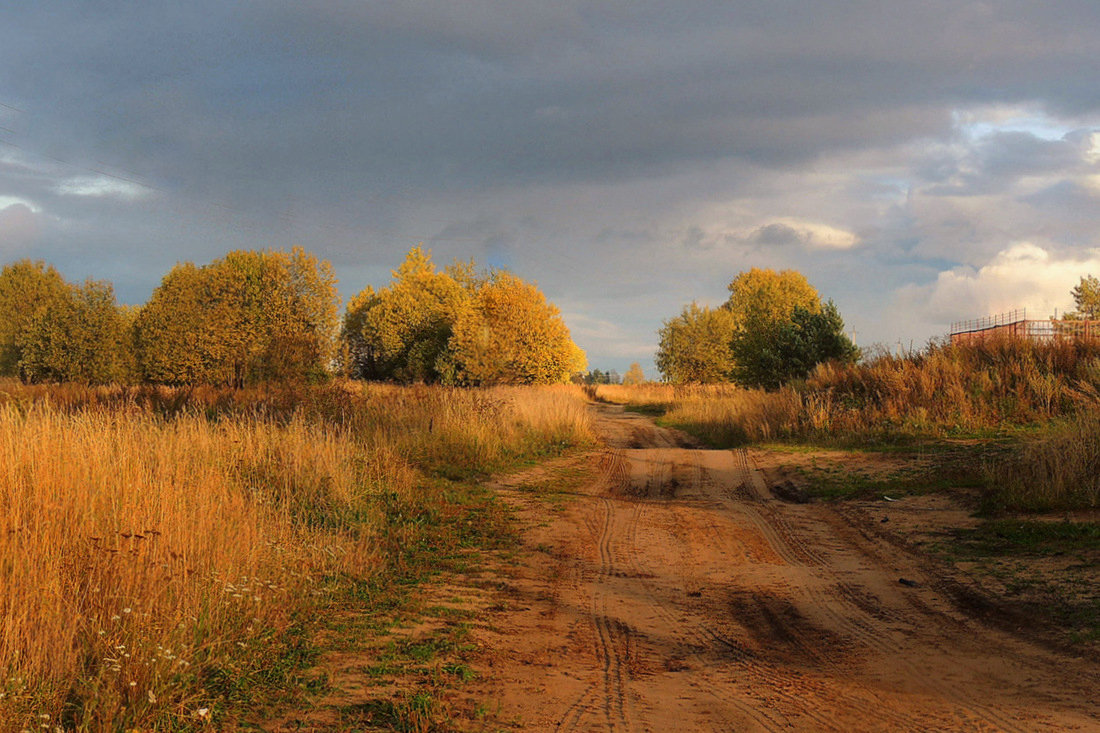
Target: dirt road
[677, 593]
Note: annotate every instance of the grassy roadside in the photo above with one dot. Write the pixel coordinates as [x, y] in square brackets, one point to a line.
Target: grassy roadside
[1035, 565]
[169, 557]
[393, 652]
[400, 652]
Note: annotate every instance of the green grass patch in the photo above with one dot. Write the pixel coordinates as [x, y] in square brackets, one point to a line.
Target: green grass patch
[936, 467]
[1001, 537]
[652, 409]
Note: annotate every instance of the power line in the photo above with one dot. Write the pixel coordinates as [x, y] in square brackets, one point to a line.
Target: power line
[78, 166]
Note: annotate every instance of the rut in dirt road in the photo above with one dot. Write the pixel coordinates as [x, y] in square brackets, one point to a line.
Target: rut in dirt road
[687, 597]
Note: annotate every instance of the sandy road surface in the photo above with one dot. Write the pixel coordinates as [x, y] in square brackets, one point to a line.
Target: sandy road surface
[677, 593]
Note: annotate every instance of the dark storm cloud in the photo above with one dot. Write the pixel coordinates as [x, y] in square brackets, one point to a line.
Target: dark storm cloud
[600, 144]
[312, 99]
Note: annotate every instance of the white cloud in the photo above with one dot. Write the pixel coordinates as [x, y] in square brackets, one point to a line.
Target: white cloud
[8, 201]
[101, 187]
[1024, 275]
[811, 234]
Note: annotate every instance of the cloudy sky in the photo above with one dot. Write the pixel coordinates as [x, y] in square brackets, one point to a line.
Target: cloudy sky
[919, 162]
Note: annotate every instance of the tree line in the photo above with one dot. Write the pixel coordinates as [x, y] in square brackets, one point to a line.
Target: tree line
[254, 316]
[772, 329]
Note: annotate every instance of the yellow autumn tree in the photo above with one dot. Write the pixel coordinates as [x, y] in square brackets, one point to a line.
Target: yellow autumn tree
[402, 332]
[634, 375]
[764, 296]
[26, 288]
[695, 346]
[248, 317]
[82, 337]
[512, 335]
[456, 326]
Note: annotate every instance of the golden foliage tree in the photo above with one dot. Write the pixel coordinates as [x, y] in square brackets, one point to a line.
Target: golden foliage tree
[512, 335]
[248, 317]
[457, 326]
[26, 288]
[772, 329]
[357, 358]
[634, 375]
[402, 332]
[82, 337]
[695, 346]
[763, 296]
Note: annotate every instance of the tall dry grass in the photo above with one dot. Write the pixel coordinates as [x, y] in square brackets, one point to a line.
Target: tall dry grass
[155, 544]
[979, 389]
[721, 414]
[942, 390]
[974, 387]
[1058, 470]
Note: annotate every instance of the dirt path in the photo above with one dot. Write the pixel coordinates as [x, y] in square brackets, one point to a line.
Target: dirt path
[677, 593]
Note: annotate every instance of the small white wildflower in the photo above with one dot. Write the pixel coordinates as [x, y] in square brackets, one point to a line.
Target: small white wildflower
[133, 684]
[102, 632]
[202, 712]
[116, 617]
[127, 610]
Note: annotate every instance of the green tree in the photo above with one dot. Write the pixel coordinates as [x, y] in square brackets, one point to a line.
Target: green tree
[634, 375]
[26, 288]
[249, 317]
[790, 349]
[512, 335]
[695, 346]
[1086, 298]
[83, 337]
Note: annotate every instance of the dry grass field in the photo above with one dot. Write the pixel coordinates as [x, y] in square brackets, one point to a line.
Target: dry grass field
[1043, 398]
[162, 551]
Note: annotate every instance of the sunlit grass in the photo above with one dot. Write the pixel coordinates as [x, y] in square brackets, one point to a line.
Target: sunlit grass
[156, 545]
[1019, 390]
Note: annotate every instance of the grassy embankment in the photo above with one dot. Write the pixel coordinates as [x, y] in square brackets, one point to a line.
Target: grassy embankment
[166, 555]
[1010, 429]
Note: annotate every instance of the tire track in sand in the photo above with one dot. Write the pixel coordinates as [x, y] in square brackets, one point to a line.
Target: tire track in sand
[846, 611]
[612, 635]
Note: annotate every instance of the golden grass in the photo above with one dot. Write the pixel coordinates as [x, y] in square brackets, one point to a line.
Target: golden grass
[152, 540]
[978, 390]
[721, 414]
[1059, 470]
